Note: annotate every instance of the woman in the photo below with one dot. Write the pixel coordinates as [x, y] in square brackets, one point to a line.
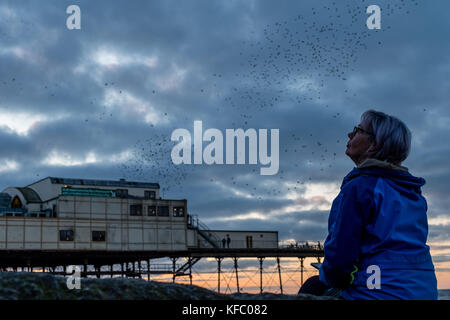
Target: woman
[377, 228]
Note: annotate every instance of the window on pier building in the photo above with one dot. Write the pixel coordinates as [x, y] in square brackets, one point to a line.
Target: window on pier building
[98, 235]
[178, 211]
[163, 211]
[121, 193]
[136, 210]
[66, 235]
[16, 203]
[149, 194]
[249, 240]
[152, 210]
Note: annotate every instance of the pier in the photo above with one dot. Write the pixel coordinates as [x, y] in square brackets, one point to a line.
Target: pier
[139, 264]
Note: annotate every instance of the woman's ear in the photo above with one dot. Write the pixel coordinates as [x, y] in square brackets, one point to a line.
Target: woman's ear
[373, 147]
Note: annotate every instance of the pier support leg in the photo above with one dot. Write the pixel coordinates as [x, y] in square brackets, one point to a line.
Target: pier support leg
[219, 261]
[261, 259]
[237, 275]
[279, 274]
[148, 270]
[174, 267]
[190, 270]
[301, 270]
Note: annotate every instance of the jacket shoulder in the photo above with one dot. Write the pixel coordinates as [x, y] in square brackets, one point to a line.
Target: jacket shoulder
[360, 181]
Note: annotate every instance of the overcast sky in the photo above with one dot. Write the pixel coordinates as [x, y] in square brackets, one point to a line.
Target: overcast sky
[102, 102]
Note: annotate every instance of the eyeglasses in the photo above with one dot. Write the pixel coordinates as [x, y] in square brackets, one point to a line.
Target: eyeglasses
[358, 129]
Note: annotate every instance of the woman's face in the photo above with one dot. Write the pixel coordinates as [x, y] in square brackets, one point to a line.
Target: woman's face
[360, 143]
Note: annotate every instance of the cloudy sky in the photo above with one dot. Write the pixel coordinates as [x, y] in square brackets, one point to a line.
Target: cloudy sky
[102, 101]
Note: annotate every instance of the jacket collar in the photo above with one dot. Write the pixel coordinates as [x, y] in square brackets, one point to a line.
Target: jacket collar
[381, 164]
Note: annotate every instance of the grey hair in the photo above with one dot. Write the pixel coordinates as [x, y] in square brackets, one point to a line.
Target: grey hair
[392, 137]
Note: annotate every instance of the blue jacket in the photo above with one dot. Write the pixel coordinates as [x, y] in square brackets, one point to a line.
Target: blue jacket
[379, 218]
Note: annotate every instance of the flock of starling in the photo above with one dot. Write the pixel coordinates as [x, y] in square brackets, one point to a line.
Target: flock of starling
[291, 63]
[288, 62]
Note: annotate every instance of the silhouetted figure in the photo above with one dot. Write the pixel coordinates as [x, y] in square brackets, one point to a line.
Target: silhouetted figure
[228, 240]
[223, 242]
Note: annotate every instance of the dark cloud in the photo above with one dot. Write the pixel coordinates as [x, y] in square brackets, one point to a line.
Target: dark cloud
[441, 258]
[438, 232]
[135, 72]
